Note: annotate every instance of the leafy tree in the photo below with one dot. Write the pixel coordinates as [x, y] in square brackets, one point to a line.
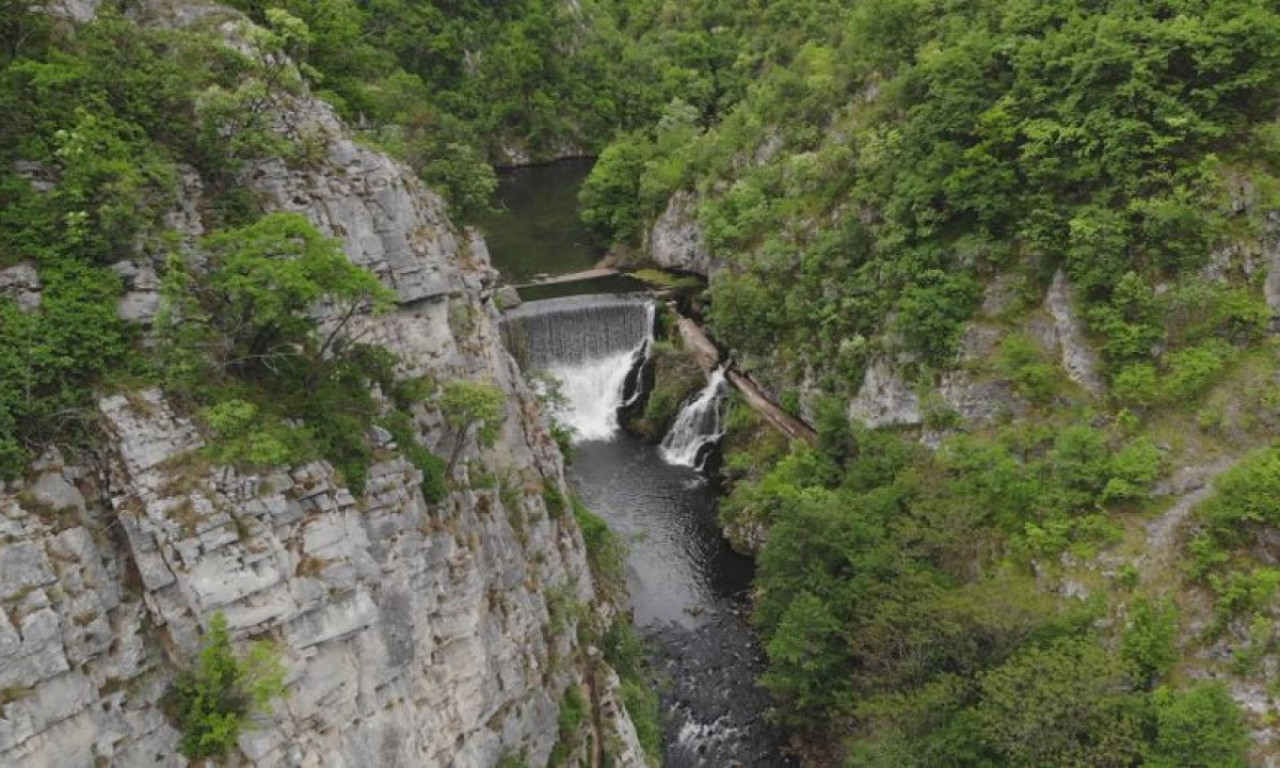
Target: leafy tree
[1200, 727]
[467, 405]
[1063, 705]
[248, 310]
[214, 701]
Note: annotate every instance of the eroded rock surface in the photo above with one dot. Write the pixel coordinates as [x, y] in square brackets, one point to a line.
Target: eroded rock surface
[413, 633]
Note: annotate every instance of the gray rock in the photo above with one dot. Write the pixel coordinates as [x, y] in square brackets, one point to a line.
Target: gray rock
[885, 399]
[1271, 255]
[1078, 358]
[23, 567]
[411, 635]
[676, 239]
[22, 284]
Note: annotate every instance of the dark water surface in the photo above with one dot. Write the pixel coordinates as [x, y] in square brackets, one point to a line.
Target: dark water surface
[538, 232]
[680, 566]
[689, 596]
[689, 590]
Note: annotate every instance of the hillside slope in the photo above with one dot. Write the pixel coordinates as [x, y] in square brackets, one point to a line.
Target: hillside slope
[424, 615]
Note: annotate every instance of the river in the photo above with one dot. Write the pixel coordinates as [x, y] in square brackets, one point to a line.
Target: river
[689, 592]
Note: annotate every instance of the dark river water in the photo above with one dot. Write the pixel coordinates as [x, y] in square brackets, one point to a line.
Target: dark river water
[689, 597]
[689, 592]
[537, 232]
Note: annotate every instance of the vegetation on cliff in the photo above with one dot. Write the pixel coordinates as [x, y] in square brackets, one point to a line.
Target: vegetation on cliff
[871, 175]
[911, 165]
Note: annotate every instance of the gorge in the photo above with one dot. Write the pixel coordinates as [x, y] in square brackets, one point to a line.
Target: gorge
[919, 407]
[687, 590]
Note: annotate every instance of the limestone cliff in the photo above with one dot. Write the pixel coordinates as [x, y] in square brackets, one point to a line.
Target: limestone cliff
[413, 633]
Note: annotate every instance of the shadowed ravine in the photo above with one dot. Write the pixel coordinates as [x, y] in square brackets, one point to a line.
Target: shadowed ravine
[688, 589]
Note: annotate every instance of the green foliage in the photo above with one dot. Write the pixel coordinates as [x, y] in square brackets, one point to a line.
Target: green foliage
[610, 196]
[893, 578]
[957, 140]
[240, 337]
[1024, 363]
[625, 653]
[241, 435]
[553, 499]
[1201, 727]
[1063, 705]
[51, 359]
[676, 377]
[1148, 640]
[215, 700]
[468, 403]
[606, 552]
[1246, 497]
[247, 308]
[933, 309]
[434, 480]
[573, 711]
[1244, 506]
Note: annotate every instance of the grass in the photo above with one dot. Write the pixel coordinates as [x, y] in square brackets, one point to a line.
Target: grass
[669, 280]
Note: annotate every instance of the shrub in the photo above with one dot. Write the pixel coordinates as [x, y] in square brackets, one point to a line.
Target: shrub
[1245, 496]
[606, 553]
[1201, 727]
[241, 434]
[471, 403]
[933, 309]
[1027, 367]
[1068, 704]
[1148, 640]
[212, 703]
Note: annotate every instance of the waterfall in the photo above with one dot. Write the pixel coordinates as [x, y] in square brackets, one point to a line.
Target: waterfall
[591, 346]
[698, 426]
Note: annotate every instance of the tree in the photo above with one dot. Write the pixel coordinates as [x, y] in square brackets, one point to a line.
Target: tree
[249, 308]
[1201, 727]
[213, 701]
[1069, 704]
[468, 404]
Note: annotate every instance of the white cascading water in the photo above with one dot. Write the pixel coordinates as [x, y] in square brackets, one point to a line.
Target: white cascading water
[591, 393]
[699, 424]
[590, 345]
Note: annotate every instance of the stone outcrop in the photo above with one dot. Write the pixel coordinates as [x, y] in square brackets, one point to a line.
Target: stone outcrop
[1078, 358]
[21, 284]
[885, 399]
[676, 240]
[413, 633]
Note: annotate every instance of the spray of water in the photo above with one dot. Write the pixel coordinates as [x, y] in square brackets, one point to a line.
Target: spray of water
[590, 345]
[699, 425]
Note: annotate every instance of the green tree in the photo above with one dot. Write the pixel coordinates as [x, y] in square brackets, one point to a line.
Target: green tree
[247, 306]
[1069, 704]
[467, 405]
[214, 701]
[1200, 727]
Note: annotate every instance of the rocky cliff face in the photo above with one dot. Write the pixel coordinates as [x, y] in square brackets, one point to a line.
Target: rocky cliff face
[413, 633]
[676, 240]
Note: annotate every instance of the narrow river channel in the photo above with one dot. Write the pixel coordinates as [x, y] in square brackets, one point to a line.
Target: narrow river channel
[688, 589]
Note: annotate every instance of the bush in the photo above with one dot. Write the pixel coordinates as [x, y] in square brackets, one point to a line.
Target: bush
[1027, 367]
[470, 403]
[932, 311]
[1148, 640]
[213, 702]
[1065, 705]
[1245, 497]
[1201, 727]
[606, 553]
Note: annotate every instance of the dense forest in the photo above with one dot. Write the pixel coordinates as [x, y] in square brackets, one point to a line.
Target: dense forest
[881, 182]
[897, 189]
